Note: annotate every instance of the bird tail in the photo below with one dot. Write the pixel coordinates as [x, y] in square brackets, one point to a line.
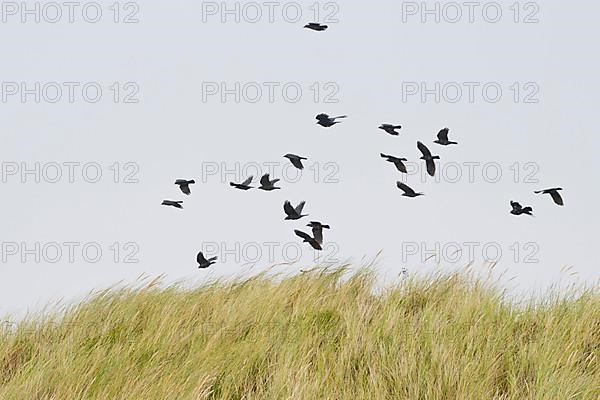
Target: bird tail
[528, 210]
[341, 116]
[398, 127]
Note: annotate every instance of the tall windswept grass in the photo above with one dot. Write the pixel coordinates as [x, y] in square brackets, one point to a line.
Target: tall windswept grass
[318, 335]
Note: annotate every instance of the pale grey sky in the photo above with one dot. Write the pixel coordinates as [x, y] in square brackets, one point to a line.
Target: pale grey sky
[368, 61]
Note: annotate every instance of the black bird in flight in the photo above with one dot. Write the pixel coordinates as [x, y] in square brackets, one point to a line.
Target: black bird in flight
[315, 26]
[517, 209]
[408, 191]
[296, 160]
[308, 239]
[171, 203]
[317, 230]
[442, 138]
[327, 121]
[203, 262]
[267, 184]
[555, 195]
[244, 185]
[396, 161]
[429, 159]
[391, 129]
[293, 213]
[184, 185]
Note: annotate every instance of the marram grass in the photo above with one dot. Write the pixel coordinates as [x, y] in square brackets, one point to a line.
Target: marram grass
[318, 335]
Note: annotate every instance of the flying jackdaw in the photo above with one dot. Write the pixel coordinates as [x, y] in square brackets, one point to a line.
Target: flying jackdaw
[327, 121]
[555, 195]
[315, 26]
[293, 213]
[442, 138]
[408, 191]
[317, 230]
[391, 129]
[244, 185]
[184, 185]
[203, 262]
[171, 203]
[296, 160]
[267, 184]
[429, 159]
[517, 209]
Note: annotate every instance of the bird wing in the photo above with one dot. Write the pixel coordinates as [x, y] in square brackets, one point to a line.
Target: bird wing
[318, 234]
[289, 210]
[248, 181]
[516, 206]
[201, 259]
[400, 166]
[299, 208]
[315, 245]
[443, 135]
[185, 188]
[430, 167]
[557, 198]
[296, 162]
[303, 235]
[424, 150]
[405, 188]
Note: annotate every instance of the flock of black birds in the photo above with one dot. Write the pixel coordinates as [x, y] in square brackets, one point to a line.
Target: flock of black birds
[295, 213]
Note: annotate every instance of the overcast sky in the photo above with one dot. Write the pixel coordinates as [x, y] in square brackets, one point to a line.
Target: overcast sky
[196, 91]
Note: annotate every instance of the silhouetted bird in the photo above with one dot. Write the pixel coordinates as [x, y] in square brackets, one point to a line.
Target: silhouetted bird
[203, 262]
[315, 26]
[517, 209]
[185, 185]
[391, 129]
[296, 160]
[293, 213]
[308, 239]
[442, 138]
[317, 230]
[408, 192]
[396, 161]
[267, 184]
[429, 159]
[171, 203]
[244, 185]
[327, 121]
[554, 193]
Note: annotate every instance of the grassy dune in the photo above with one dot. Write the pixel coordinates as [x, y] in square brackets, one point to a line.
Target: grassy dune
[314, 336]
